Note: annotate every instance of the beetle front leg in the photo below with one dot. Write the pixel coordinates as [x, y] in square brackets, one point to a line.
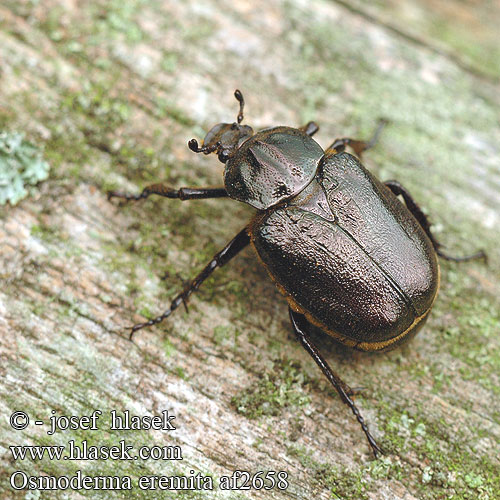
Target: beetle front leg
[300, 326]
[358, 146]
[183, 193]
[422, 219]
[240, 241]
[310, 128]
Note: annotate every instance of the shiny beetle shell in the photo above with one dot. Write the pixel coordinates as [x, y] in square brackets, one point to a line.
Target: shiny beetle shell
[272, 166]
[348, 255]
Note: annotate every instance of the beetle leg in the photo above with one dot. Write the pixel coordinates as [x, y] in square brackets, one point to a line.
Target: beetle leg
[240, 241]
[183, 193]
[354, 391]
[300, 326]
[422, 219]
[339, 145]
[310, 128]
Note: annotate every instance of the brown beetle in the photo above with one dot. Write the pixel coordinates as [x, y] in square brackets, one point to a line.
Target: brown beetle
[349, 257]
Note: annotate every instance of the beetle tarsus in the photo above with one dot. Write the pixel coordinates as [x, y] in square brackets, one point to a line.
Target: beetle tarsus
[381, 124]
[358, 146]
[476, 256]
[240, 241]
[151, 322]
[181, 298]
[300, 327]
[183, 193]
[413, 207]
[371, 440]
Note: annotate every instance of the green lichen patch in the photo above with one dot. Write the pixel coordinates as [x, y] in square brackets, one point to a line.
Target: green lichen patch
[345, 483]
[45, 233]
[21, 165]
[283, 387]
[450, 467]
[97, 102]
[470, 322]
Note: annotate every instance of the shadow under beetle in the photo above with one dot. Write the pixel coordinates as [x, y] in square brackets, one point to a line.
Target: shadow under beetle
[349, 257]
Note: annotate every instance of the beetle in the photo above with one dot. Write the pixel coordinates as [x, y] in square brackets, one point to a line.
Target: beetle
[347, 254]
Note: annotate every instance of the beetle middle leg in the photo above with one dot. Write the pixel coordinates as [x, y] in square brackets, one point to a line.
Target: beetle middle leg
[183, 193]
[422, 219]
[300, 326]
[358, 146]
[240, 241]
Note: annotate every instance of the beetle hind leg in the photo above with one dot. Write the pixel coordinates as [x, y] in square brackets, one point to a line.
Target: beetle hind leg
[422, 219]
[300, 326]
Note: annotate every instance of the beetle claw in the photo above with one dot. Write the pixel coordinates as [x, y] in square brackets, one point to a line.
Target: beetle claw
[377, 450]
[132, 331]
[116, 194]
[151, 322]
[134, 328]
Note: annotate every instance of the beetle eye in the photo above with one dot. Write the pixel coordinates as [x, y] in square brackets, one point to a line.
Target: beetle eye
[223, 155]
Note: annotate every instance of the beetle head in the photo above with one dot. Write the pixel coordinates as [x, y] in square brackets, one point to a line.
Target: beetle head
[224, 138]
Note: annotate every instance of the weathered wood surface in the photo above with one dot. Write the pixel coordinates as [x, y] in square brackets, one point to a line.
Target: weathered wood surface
[113, 90]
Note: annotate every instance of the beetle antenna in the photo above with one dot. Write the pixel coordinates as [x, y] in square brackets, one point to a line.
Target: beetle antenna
[239, 97]
[194, 146]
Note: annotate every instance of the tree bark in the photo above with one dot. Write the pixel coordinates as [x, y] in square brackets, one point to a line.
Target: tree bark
[112, 91]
